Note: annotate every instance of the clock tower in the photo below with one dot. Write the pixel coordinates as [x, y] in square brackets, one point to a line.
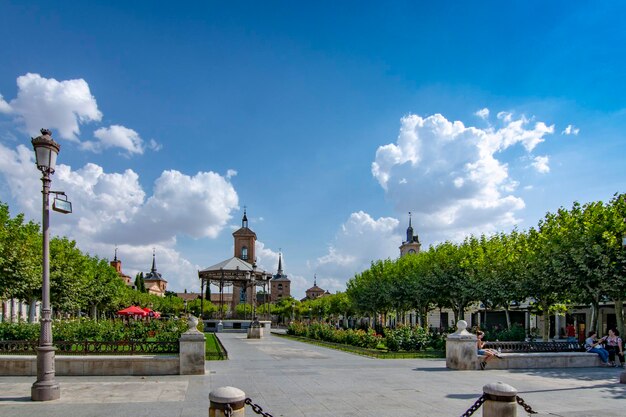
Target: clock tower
[412, 244]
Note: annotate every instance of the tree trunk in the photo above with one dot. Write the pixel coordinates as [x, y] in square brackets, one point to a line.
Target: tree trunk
[94, 312]
[32, 310]
[508, 317]
[483, 325]
[619, 315]
[594, 318]
[424, 317]
[546, 322]
[12, 310]
[458, 315]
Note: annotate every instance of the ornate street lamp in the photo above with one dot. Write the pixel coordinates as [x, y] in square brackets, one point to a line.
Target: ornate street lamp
[622, 377]
[293, 310]
[46, 387]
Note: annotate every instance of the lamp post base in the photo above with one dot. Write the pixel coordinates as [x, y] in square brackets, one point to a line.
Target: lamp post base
[45, 391]
[46, 388]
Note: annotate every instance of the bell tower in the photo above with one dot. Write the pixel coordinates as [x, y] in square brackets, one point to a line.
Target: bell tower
[245, 240]
[412, 243]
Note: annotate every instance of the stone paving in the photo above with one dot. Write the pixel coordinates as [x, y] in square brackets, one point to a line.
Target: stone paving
[293, 379]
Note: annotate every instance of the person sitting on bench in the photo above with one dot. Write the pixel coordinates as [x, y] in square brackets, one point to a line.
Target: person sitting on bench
[488, 353]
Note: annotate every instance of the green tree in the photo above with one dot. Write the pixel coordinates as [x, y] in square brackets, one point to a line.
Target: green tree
[20, 259]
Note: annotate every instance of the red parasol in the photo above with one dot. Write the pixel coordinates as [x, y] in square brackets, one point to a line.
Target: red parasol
[132, 311]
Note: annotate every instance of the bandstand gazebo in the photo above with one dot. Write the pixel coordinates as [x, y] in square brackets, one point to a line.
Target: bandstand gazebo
[238, 274]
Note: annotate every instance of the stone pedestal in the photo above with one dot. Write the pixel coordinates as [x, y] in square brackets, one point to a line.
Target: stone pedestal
[255, 332]
[461, 347]
[220, 397]
[192, 350]
[219, 327]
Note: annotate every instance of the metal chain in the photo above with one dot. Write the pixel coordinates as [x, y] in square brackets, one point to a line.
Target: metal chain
[474, 407]
[228, 411]
[527, 408]
[257, 408]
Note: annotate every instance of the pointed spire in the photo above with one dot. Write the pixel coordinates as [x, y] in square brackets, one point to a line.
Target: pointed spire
[115, 257]
[315, 280]
[409, 231]
[280, 263]
[244, 220]
[153, 260]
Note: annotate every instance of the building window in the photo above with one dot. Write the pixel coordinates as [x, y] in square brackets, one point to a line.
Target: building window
[280, 286]
[244, 253]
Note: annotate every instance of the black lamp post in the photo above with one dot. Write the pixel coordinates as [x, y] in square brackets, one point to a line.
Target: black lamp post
[293, 311]
[310, 314]
[46, 388]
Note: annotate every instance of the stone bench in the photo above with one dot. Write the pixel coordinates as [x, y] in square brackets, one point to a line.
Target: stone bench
[26, 365]
[542, 360]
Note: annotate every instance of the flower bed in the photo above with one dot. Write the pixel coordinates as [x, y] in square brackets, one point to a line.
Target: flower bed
[401, 339]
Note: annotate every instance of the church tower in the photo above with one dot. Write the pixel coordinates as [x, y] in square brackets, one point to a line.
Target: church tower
[280, 284]
[412, 243]
[245, 240]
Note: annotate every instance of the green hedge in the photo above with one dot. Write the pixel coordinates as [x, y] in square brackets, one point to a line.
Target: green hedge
[99, 331]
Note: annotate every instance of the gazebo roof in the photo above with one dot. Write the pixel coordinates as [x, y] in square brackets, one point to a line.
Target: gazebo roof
[233, 269]
[232, 264]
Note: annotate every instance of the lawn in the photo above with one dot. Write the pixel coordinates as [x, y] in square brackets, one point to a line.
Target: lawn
[214, 350]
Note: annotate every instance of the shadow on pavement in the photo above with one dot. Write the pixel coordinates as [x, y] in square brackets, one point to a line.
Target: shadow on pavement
[18, 399]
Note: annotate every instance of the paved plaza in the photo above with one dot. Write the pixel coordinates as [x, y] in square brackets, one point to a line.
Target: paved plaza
[293, 379]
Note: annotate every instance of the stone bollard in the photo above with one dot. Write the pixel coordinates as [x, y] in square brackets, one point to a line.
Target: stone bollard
[500, 400]
[222, 396]
[255, 331]
[192, 350]
[461, 349]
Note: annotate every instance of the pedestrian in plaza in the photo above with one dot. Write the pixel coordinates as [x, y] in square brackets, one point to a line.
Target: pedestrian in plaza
[615, 346]
[594, 345]
[570, 331]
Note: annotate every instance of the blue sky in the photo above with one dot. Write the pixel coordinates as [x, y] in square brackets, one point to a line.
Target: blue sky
[329, 121]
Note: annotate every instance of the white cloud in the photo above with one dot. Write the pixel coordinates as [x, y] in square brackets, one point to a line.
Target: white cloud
[59, 105]
[505, 116]
[483, 113]
[360, 240]
[455, 182]
[4, 106]
[113, 208]
[116, 136]
[154, 145]
[231, 173]
[570, 130]
[540, 163]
